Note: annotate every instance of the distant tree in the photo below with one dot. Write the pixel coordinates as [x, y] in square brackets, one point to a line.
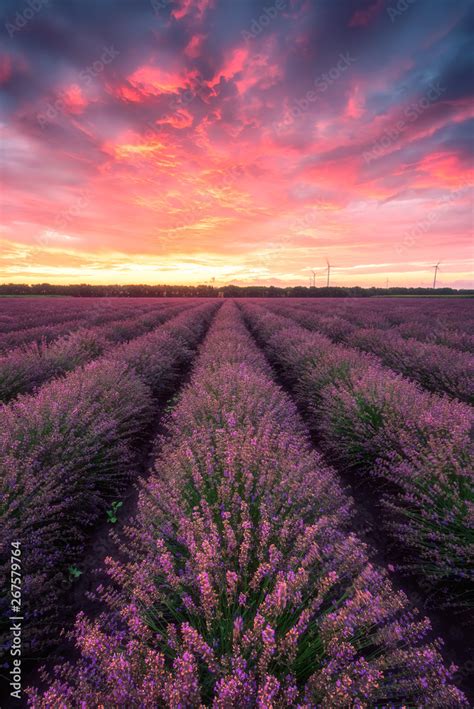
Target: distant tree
[85, 290]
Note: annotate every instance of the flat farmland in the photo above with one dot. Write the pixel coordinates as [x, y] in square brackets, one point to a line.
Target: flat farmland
[237, 503]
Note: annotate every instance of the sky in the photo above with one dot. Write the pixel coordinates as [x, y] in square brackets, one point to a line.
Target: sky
[246, 141]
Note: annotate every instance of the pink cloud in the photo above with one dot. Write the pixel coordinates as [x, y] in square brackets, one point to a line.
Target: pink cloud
[150, 79]
[355, 103]
[74, 99]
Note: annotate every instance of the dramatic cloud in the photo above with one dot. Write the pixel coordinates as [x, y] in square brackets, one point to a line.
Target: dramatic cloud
[181, 140]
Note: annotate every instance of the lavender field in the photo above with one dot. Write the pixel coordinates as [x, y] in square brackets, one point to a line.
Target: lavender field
[236, 503]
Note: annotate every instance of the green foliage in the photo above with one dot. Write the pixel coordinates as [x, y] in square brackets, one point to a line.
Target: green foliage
[112, 513]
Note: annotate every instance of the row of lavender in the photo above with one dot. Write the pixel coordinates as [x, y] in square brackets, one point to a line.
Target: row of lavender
[60, 317]
[382, 426]
[27, 312]
[436, 367]
[242, 586]
[22, 369]
[443, 321]
[21, 313]
[435, 317]
[69, 450]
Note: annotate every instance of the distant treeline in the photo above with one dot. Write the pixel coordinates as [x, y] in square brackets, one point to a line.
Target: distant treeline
[205, 291]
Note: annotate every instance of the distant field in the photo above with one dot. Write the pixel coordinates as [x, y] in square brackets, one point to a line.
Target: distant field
[304, 469]
[4, 295]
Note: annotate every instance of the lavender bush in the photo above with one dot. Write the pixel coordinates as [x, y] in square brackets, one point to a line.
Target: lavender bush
[434, 366]
[376, 422]
[58, 317]
[441, 321]
[69, 450]
[25, 368]
[243, 587]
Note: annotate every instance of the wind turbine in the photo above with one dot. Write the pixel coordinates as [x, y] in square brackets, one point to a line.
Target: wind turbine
[435, 273]
[314, 278]
[329, 271]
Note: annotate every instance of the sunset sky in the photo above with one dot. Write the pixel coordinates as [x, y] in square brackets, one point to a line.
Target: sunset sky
[176, 141]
